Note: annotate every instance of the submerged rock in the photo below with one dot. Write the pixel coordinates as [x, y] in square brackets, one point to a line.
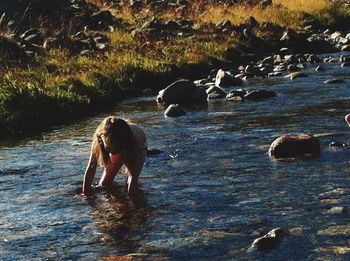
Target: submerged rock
[259, 95]
[174, 110]
[215, 92]
[236, 95]
[268, 241]
[334, 81]
[337, 210]
[295, 75]
[320, 69]
[294, 145]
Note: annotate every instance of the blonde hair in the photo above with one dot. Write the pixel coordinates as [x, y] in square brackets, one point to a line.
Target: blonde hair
[120, 136]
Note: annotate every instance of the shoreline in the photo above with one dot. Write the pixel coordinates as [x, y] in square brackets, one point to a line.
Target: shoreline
[31, 105]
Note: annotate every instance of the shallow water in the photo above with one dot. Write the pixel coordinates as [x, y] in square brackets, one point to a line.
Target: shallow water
[208, 195]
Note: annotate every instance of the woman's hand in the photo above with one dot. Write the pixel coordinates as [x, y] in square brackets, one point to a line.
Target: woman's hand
[89, 193]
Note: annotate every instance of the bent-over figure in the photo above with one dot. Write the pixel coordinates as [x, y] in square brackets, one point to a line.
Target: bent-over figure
[116, 142]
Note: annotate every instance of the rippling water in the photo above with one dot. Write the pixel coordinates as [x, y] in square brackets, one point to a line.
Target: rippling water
[208, 195]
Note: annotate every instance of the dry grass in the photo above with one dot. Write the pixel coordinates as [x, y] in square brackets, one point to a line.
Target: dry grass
[308, 6]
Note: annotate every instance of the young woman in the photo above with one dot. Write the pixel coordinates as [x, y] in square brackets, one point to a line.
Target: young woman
[116, 142]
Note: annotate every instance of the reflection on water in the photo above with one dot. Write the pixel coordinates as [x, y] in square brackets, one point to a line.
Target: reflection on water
[210, 192]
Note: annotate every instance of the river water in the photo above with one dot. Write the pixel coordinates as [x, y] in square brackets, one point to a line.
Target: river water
[210, 192]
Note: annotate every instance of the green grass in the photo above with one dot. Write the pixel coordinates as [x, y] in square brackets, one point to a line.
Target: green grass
[57, 86]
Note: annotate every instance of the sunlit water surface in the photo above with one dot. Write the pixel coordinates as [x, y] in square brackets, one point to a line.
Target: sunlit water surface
[210, 192]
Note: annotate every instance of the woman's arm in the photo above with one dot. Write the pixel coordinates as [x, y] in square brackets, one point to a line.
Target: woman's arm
[89, 175]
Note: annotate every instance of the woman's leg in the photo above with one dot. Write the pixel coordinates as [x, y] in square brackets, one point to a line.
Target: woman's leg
[134, 171]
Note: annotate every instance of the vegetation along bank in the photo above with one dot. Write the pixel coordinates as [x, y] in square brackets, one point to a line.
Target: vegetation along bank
[62, 61]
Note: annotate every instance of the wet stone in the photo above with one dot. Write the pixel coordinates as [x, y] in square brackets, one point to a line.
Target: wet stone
[259, 95]
[174, 110]
[337, 210]
[294, 145]
[334, 81]
[338, 144]
[274, 74]
[295, 75]
[320, 69]
[268, 241]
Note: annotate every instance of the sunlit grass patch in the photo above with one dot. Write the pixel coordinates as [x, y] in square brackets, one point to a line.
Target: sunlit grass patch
[338, 250]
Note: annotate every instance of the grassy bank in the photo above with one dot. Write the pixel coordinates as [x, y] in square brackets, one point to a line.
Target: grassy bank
[57, 85]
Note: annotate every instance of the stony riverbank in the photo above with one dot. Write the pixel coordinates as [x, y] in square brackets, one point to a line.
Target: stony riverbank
[63, 61]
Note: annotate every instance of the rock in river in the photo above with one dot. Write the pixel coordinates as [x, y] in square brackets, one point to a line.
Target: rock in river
[295, 75]
[174, 110]
[182, 92]
[259, 95]
[334, 81]
[294, 145]
[268, 241]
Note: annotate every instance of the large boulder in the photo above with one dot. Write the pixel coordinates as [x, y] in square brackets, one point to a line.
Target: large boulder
[294, 145]
[295, 41]
[181, 92]
[225, 79]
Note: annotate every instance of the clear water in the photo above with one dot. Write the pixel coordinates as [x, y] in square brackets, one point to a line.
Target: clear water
[208, 195]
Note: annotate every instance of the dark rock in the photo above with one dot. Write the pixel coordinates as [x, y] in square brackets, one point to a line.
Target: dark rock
[259, 95]
[345, 48]
[199, 95]
[334, 81]
[294, 145]
[345, 58]
[285, 51]
[179, 92]
[320, 46]
[174, 110]
[295, 41]
[151, 152]
[200, 82]
[295, 75]
[280, 68]
[103, 19]
[251, 70]
[135, 4]
[154, 23]
[10, 51]
[251, 22]
[226, 24]
[236, 95]
[274, 74]
[225, 79]
[216, 92]
[268, 241]
[147, 33]
[320, 69]
[293, 68]
[313, 59]
[265, 3]
[338, 144]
